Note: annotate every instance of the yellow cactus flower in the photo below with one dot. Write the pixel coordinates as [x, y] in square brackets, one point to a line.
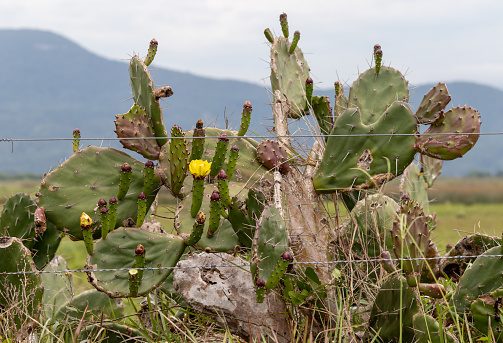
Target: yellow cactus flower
[199, 169]
[85, 221]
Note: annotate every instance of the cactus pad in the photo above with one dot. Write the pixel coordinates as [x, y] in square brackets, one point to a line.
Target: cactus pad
[133, 124]
[17, 219]
[433, 104]
[78, 184]
[394, 297]
[144, 95]
[118, 251]
[457, 121]
[289, 72]
[347, 161]
[373, 93]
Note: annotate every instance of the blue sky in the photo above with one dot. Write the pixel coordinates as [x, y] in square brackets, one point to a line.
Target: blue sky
[430, 41]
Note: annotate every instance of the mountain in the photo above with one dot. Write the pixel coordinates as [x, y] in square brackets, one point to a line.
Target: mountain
[50, 86]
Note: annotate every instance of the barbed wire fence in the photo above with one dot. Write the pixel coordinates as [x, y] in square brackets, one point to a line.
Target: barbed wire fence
[315, 263]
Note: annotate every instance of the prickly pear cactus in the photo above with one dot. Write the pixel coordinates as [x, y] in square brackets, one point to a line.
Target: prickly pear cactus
[366, 231]
[289, 72]
[431, 169]
[374, 93]
[433, 104]
[17, 219]
[90, 304]
[270, 243]
[118, 251]
[471, 245]
[20, 295]
[392, 314]
[411, 239]
[78, 184]
[485, 275]
[363, 162]
[414, 185]
[428, 330]
[136, 123]
[451, 146]
[486, 312]
[146, 96]
[58, 287]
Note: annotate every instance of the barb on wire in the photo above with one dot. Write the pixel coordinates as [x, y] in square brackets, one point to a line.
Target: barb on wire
[247, 265]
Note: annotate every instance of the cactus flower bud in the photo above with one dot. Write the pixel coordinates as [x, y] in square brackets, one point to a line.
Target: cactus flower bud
[85, 221]
[222, 175]
[215, 196]
[102, 202]
[286, 256]
[140, 250]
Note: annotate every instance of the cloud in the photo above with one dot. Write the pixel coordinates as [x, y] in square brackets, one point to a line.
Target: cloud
[437, 40]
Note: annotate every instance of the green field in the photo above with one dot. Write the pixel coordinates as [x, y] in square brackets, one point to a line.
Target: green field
[463, 206]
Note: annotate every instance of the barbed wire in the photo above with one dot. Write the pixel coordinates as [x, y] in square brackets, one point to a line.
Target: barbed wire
[13, 140]
[248, 264]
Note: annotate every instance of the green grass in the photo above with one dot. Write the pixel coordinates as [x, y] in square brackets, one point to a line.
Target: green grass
[457, 220]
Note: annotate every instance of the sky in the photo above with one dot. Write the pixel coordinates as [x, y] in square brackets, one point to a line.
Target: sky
[428, 40]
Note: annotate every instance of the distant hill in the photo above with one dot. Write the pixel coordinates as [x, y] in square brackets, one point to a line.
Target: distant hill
[50, 85]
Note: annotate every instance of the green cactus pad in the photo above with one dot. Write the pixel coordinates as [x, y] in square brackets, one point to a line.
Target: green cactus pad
[432, 168]
[414, 185]
[144, 95]
[394, 297]
[341, 101]
[428, 330]
[244, 217]
[269, 243]
[118, 251]
[486, 312]
[323, 113]
[58, 287]
[17, 219]
[451, 146]
[367, 229]
[133, 124]
[112, 333]
[20, 295]
[411, 238]
[485, 275]
[348, 160]
[433, 104]
[289, 73]
[45, 246]
[88, 175]
[90, 304]
[373, 93]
